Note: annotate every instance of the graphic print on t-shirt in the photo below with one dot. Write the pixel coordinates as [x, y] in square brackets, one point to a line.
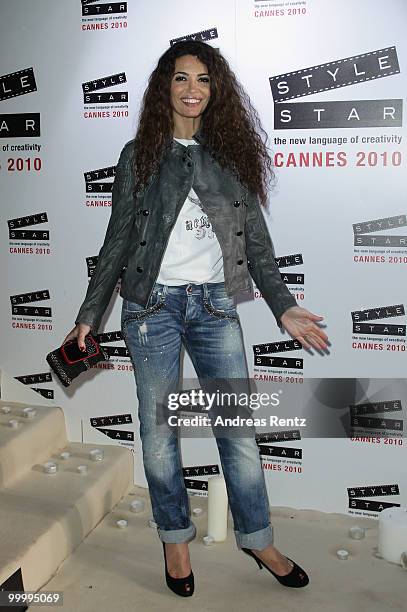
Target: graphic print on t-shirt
[193, 253]
[201, 226]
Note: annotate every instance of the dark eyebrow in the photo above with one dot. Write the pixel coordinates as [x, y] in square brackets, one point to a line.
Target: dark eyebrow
[186, 73]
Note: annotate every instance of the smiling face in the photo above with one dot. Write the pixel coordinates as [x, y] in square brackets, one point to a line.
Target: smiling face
[190, 92]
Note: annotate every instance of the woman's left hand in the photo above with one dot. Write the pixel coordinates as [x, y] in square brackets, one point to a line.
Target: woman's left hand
[300, 323]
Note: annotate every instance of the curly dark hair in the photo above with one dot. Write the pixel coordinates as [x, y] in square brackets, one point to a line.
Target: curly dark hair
[229, 123]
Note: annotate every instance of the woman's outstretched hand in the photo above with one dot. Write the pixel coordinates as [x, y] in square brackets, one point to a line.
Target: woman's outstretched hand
[300, 324]
[80, 331]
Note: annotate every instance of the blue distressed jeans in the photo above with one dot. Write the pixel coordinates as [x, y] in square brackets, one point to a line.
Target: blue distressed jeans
[203, 318]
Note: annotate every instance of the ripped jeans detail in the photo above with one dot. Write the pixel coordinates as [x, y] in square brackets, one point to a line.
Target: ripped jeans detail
[203, 319]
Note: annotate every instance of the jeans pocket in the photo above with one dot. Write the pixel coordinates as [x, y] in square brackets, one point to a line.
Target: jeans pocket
[132, 311]
[219, 304]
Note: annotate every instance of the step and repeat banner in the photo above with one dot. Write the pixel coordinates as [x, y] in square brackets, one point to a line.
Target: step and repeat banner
[327, 79]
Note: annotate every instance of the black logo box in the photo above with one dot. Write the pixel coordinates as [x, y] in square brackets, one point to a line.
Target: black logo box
[115, 419]
[332, 75]
[376, 407]
[104, 82]
[34, 296]
[117, 434]
[292, 279]
[201, 470]
[380, 241]
[112, 351]
[377, 225]
[116, 351]
[381, 312]
[47, 393]
[31, 311]
[113, 336]
[91, 264]
[100, 173]
[34, 379]
[20, 125]
[362, 230]
[17, 84]
[277, 347]
[315, 115]
[379, 329]
[105, 98]
[289, 260]
[110, 8]
[278, 436]
[203, 35]
[28, 220]
[376, 423]
[372, 506]
[374, 490]
[99, 188]
[280, 451]
[29, 235]
[278, 362]
[198, 485]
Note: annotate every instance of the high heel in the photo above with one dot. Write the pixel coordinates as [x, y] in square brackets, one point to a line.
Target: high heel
[180, 586]
[296, 578]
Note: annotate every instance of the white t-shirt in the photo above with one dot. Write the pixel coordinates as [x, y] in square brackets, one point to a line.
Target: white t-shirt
[193, 253]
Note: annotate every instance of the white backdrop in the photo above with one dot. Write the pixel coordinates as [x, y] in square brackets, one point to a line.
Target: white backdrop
[52, 191]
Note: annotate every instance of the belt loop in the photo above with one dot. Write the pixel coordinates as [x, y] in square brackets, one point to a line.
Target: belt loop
[206, 291]
[165, 290]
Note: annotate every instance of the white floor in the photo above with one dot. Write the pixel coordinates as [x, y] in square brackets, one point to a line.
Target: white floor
[116, 570]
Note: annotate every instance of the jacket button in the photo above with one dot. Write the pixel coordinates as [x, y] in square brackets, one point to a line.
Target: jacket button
[240, 261]
[143, 242]
[236, 203]
[239, 233]
[184, 159]
[139, 269]
[189, 164]
[146, 212]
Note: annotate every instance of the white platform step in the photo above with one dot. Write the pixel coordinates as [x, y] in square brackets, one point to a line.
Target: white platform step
[31, 442]
[44, 517]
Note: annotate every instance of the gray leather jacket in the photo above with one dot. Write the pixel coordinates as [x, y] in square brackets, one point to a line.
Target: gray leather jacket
[140, 226]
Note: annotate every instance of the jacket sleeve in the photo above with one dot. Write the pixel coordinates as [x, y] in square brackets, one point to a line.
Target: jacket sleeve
[112, 255]
[261, 261]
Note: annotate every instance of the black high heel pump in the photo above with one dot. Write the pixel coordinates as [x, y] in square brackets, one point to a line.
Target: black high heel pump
[296, 578]
[180, 586]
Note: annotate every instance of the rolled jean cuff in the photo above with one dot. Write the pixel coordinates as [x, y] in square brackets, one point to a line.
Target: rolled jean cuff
[257, 539]
[177, 536]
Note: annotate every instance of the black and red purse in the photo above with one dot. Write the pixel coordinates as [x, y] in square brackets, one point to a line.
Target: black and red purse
[68, 361]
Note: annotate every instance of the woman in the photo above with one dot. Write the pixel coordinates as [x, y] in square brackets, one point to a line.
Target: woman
[186, 230]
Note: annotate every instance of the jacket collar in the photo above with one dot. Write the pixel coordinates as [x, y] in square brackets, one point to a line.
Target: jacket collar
[178, 148]
[198, 136]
